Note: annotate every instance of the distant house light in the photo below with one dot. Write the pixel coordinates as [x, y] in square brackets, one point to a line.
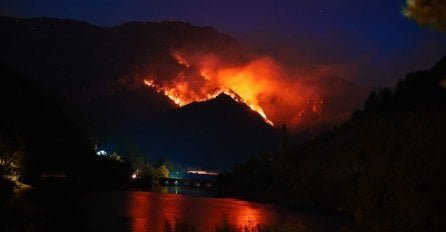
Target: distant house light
[202, 172]
[101, 152]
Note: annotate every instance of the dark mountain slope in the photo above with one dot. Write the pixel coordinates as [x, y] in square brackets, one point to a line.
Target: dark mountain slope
[101, 70]
[214, 134]
[91, 65]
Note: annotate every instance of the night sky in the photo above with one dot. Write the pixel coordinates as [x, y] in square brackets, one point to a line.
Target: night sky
[368, 42]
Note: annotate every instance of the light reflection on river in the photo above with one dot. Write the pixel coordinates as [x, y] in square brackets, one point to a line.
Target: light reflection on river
[148, 211]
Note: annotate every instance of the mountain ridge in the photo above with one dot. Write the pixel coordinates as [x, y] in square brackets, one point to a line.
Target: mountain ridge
[101, 70]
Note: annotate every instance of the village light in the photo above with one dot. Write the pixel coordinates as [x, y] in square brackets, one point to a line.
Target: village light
[101, 152]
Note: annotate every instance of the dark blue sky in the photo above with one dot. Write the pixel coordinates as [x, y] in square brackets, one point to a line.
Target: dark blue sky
[369, 42]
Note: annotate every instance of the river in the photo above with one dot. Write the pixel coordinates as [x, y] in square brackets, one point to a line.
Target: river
[149, 211]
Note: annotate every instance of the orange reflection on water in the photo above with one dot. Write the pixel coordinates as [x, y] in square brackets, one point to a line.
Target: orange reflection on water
[138, 206]
[150, 211]
[248, 217]
[245, 216]
[238, 215]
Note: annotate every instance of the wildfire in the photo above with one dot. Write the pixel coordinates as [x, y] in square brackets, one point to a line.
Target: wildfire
[170, 93]
[175, 95]
[180, 59]
[260, 84]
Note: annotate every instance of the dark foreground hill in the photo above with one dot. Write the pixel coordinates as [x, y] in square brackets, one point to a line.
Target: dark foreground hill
[386, 165]
[39, 130]
[43, 142]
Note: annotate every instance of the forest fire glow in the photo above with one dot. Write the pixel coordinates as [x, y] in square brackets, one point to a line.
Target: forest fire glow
[175, 95]
[180, 59]
[260, 84]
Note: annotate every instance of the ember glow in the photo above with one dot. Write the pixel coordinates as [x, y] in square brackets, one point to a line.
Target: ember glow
[260, 84]
[180, 59]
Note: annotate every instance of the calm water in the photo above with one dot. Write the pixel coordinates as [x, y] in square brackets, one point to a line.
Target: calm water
[148, 211]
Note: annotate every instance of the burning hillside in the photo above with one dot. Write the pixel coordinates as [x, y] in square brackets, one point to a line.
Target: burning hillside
[101, 71]
[260, 83]
[184, 62]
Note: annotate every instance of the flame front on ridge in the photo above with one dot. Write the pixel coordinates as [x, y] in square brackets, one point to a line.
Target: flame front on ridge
[260, 84]
[172, 95]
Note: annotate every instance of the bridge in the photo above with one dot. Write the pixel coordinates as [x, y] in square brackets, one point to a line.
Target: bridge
[192, 183]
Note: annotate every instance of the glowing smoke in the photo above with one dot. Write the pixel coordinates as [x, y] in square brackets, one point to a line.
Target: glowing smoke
[427, 12]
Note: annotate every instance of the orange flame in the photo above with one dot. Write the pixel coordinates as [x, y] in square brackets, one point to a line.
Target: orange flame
[169, 92]
[175, 94]
[260, 84]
